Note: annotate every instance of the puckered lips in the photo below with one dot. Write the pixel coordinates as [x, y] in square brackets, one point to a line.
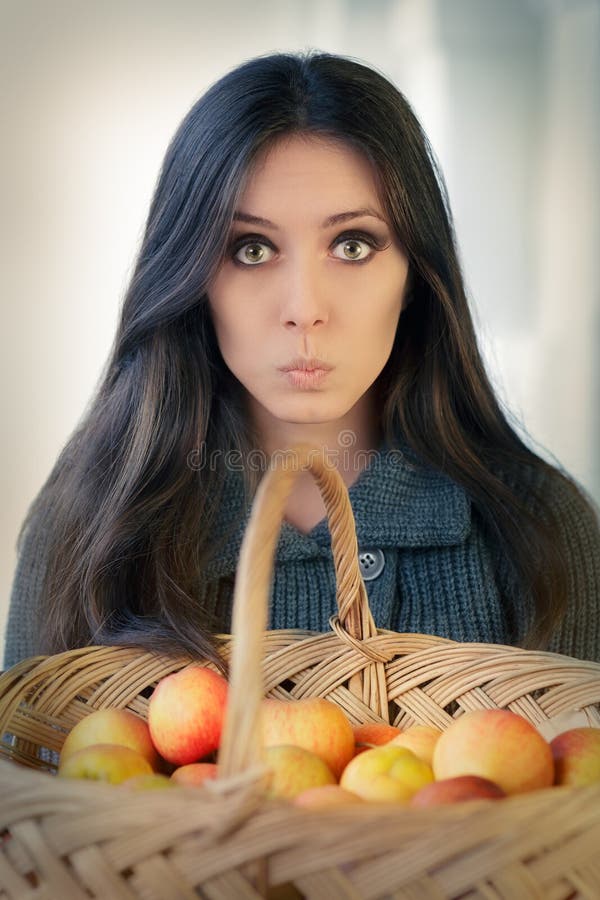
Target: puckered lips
[306, 372]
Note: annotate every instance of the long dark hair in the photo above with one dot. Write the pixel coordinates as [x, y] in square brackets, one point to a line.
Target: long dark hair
[130, 518]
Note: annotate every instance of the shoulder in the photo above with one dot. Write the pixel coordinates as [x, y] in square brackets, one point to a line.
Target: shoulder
[575, 517]
[32, 547]
[550, 491]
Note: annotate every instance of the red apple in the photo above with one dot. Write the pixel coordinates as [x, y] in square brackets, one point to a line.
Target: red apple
[186, 714]
[373, 734]
[326, 795]
[455, 790]
[495, 744]
[314, 723]
[195, 773]
[576, 755]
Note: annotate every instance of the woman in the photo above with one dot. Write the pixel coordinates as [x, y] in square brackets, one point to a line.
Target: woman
[298, 280]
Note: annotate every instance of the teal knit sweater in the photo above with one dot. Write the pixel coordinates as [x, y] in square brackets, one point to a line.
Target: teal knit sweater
[438, 573]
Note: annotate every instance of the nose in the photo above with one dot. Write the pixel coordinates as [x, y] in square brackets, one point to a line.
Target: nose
[304, 304]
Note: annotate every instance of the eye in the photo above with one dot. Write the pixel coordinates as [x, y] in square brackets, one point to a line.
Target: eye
[355, 247]
[251, 252]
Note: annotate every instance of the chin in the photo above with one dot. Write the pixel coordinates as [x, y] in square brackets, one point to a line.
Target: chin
[309, 411]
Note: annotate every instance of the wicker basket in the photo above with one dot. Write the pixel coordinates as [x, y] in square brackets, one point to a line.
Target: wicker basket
[65, 839]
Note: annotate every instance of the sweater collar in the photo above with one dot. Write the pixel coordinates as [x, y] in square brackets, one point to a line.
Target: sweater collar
[397, 502]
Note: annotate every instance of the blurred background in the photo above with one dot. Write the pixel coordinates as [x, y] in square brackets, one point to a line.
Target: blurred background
[508, 91]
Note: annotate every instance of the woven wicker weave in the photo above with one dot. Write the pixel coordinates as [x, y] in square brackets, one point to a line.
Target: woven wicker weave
[71, 839]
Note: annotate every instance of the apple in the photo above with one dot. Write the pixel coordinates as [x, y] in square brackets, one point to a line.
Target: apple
[455, 790]
[373, 734]
[313, 723]
[421, 739]
[326, 795]
[497, 744]
[146, 782]
[195, 773]
[111, 726]
[186, 713]
[104, 762]
[387, 774]
[576, 754]
[294, 769]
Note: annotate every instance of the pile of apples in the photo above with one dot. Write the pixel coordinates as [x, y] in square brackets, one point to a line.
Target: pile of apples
[315, 757]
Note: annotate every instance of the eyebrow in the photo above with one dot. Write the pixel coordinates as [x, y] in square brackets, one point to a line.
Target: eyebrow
[336, 219]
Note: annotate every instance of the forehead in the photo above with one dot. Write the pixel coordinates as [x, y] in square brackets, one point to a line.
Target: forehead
[306, 170]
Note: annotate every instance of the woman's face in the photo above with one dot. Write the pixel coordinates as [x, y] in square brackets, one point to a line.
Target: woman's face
[313, 283]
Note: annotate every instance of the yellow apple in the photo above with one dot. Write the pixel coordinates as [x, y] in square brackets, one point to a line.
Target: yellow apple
[421, 739]
[313, 723]
[195, 773]
[104, 762]
[186, 714]
[146, 782]
[496, 744]
[576, 755]
[111, 726]
[293, 770]
[386, 774]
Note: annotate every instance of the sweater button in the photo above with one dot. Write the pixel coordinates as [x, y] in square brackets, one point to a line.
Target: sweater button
[371, 563]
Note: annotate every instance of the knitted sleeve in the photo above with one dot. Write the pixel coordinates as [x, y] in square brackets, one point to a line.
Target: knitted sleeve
[579, 633]
[576, 520]
[23, 629]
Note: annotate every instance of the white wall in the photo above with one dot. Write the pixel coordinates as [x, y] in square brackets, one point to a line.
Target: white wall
[507, 90]
[565, 405]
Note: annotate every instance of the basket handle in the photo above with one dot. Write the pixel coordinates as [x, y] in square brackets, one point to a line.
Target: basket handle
[240, 744]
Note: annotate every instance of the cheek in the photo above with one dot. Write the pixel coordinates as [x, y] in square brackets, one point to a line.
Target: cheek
[232, 307]
[239, 340]
[374, 334]
[377, 323]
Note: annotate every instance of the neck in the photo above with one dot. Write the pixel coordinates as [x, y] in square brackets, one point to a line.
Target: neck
[347, 441]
